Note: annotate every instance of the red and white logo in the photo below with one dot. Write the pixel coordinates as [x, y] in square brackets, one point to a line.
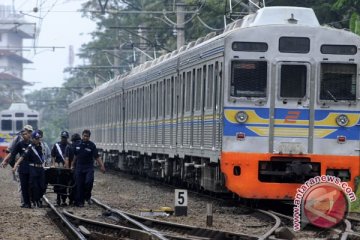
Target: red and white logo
[325, 205]
[322, 201]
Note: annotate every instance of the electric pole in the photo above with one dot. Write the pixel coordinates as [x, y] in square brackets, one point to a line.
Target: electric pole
[180, 17]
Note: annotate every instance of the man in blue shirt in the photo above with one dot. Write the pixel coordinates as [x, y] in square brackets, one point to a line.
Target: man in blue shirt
[85, 154]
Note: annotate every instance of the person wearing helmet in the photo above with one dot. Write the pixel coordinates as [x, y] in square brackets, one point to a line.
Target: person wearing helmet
[58, 160]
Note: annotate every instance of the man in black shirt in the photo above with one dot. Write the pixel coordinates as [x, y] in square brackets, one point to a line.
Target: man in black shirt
[24, 174]
[58, 160]
[85, 154]
[33, 159]
[69, 157]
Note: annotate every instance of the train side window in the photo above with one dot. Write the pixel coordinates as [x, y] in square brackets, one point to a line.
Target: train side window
[293, 81]
[192, 107]
[294, 44]
[198, 89]
[338, 82]
[168, 97]
[248, 78]
[187, 91]
[172, 105]
[183, 95]
[203, 92]
[19, 115]
[209, 86]
[160, 99]
[6, 125]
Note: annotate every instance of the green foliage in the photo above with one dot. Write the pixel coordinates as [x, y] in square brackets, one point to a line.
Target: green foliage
[355, 23]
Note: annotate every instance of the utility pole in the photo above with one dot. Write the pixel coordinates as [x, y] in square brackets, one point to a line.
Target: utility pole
[142, 43]
[180, 18]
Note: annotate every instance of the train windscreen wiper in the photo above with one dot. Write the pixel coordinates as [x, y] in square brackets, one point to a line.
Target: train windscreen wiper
[332, 96]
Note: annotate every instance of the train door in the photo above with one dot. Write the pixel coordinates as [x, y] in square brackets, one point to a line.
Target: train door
[290, 110]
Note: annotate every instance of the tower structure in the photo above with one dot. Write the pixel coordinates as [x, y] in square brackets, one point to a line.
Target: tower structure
[13, 29]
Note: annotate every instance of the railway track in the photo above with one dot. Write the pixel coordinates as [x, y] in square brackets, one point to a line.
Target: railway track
[343, 231]
[129, 226]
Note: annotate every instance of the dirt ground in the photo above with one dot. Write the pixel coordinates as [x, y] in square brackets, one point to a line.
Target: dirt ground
[20, 223]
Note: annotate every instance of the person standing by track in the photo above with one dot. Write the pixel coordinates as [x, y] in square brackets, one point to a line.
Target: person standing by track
[34, 156]
[85, 154]
[24, 172]
[58, 160]
[69, 158]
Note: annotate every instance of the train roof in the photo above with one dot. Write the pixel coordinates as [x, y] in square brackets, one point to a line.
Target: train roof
[298, 16]
[18, 107]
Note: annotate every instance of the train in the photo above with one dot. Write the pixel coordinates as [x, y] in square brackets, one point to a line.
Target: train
[12, 121]
[255, 111]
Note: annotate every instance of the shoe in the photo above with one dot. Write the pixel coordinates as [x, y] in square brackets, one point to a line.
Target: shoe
[25, 206]
[71, 203]
[39, 204]
[64, 204]
[79, 205]
[89, 202]
[58, 202]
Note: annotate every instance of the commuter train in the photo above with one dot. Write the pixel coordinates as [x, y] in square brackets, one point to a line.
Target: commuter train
[12, 121]
[257, 110]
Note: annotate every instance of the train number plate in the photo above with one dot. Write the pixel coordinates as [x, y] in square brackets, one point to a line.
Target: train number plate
[291, 148]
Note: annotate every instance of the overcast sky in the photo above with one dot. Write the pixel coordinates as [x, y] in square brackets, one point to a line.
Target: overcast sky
[61, 26]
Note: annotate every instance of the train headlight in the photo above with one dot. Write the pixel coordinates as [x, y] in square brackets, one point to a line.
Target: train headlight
[342, 120]
[241, 117]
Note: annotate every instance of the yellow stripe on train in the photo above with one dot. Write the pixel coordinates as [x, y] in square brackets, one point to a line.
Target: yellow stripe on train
[291, 132]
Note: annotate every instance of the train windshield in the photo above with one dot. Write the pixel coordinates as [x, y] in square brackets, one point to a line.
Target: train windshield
[248, 79]
[293, 81]
[6, 125]
[338, 82]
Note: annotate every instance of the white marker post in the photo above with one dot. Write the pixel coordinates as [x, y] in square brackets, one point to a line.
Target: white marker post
[181, 201]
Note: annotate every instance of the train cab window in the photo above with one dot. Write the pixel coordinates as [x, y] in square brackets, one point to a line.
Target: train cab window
[19, 114]
[293, 81]
[248, 79]
[338, 49]
[250, 46]
[19, 125]
[338, 82]
[6, 125]
[294, 44]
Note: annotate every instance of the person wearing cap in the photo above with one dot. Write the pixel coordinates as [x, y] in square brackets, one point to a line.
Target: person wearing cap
[23, 171]
[14, 154]
[58, 160]
[10, 158]
[34, 156]
[85, 154]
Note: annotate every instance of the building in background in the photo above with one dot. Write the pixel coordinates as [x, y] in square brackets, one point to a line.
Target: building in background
[13, 29]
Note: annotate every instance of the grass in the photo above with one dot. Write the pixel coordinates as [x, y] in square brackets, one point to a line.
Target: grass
[355, 206]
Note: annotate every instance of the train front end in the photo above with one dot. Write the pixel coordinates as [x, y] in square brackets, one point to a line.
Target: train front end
[292, 109]
[12, 121]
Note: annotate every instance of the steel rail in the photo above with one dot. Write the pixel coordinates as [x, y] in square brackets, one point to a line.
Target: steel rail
[272, 230]
[69, 225]
[186, 230]
[94, 228]
[153, 232]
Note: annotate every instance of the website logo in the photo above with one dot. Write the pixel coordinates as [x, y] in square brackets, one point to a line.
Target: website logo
[322, 201]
